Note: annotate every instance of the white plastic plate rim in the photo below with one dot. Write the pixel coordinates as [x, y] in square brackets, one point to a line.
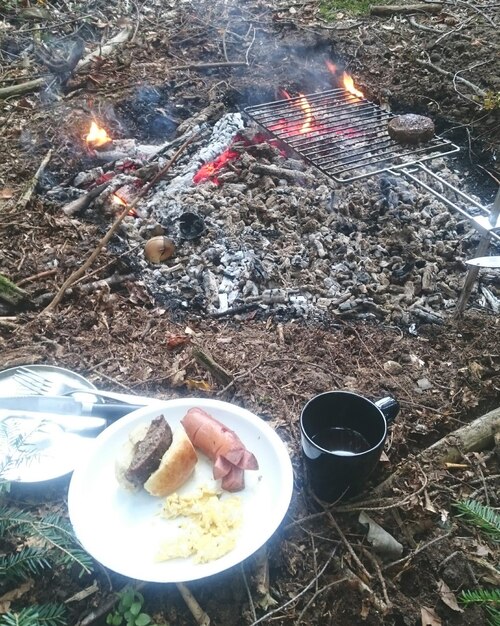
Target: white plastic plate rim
[123, 530]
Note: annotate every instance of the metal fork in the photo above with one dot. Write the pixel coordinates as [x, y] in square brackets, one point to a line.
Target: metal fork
[36, 383]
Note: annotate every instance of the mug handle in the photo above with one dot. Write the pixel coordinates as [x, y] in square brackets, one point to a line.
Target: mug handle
[389, 407]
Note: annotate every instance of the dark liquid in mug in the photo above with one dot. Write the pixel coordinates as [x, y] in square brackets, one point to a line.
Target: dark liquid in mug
[341, 441]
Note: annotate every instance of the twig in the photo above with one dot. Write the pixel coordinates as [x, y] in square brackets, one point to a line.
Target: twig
[102, 243]
[417, 551]
[204, 66]
[250, 46]
[301, 593]
[350, 549]
[198, 613]
[22, 203]
[217, 371]
[249, 593]
[380, 575]
[477, 90]
[30, 279]
[319, 592]
[107, 605]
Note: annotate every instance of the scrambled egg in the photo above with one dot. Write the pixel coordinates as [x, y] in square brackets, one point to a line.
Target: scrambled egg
[208, 528]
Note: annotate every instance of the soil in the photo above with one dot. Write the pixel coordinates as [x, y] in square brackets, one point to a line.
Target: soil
[322, 569]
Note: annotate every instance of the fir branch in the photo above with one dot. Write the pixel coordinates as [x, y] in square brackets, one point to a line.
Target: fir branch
[36, 615]
[483, 517]
[480, 596]
[53, 531]
[489, 598]
[22, 564]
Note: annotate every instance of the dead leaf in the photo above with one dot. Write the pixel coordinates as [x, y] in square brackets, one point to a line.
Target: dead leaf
[6, 193]
[448, 597]
[428, 503]
[176, 341]
[200, 385]
[429, 617]
[14, 594]
[382, 542]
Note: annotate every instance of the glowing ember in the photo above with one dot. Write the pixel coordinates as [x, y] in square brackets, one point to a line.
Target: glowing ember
[97, 136]
[349, 86]
[209, 170]
[332, 67]
[118, 200]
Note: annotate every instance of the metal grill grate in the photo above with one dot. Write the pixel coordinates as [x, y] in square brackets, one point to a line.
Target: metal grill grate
[342, 135]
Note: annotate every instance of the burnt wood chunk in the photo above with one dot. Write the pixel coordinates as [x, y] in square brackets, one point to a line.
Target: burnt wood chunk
[411, 128]
[149, 451]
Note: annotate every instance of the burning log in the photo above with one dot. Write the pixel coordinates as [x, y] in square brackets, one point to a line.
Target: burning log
[114, 227]
[281, 172]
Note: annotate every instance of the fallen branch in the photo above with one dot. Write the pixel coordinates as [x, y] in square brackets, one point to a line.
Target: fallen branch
[390, 9]
[217, 371]
[75, 206]
[103, 242]
[20, 88]
[474, 437]
[22, 203]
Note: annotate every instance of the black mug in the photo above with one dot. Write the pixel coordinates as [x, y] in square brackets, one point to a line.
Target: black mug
[343, 435]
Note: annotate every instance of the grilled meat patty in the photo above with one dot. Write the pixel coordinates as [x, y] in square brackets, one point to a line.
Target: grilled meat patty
[149, 451]
[411, 128]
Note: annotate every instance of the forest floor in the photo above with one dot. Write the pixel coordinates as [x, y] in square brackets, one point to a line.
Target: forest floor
[444, 64]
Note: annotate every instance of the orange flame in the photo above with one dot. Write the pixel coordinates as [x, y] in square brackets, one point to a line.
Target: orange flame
[97, 136]
[349, 86]
[306, 108]
[115, 198]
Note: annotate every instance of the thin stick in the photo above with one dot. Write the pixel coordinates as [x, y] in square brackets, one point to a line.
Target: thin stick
[249, 593]
[198, 613]
[204, 66]
[295, 598]
[30, 279]
[350, 549]
[102, 243]
[477, 90]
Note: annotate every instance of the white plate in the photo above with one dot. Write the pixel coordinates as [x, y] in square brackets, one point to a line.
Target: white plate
[124, 531]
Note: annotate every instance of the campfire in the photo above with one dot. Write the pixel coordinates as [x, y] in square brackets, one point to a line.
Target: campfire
[274, 233]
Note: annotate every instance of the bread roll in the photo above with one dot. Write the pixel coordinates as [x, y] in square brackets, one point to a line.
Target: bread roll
[170, 470]
[176, 466]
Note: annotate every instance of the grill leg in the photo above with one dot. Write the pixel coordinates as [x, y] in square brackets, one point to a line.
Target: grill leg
[471, 277]
[482, 248]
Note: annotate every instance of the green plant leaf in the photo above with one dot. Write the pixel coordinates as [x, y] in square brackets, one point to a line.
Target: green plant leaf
[142, 619]
[135, 609]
